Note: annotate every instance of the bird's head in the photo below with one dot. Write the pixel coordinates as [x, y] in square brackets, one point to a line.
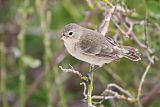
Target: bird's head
[71, 31]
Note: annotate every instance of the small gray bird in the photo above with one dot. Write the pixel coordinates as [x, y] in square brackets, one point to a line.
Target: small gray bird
[94, 48]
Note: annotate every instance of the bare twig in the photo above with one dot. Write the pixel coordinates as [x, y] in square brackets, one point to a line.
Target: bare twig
[103, 28]
[106, 96]
[119, 28]
[142, 81]
[85, 88]
[110, 94]
[71, 70]
[129, 24]
[100, 97]
[89, 86]
[119, 88]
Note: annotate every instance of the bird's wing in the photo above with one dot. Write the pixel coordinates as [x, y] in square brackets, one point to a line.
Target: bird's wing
[95, 48]
[107, 51]
[111, 41]
[87, 46]
[109, 48]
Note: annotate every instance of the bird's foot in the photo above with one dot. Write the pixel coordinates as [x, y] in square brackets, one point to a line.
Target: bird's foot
[86, 78]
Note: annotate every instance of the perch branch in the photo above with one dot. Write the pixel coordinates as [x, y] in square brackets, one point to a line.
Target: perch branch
[90, 89]
[71, 70]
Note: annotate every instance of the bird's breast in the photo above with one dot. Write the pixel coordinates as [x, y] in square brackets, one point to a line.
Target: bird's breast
[70, 45]
[75, 52]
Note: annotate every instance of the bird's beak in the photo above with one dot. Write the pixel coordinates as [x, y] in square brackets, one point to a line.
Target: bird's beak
[64, 36]
[61, 37]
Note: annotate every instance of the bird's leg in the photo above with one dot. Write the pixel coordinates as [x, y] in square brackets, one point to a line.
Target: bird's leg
[93, 68]
[86, 78]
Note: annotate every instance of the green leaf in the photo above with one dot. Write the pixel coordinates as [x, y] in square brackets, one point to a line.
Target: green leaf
[31, 62]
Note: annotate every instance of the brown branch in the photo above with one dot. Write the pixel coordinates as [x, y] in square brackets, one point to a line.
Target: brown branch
[110, 94]
[128, 24]
[104, 26]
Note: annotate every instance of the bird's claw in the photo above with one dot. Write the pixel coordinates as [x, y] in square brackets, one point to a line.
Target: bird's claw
[86, 78]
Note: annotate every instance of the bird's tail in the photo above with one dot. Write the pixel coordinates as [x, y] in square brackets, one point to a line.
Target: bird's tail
[131, 53]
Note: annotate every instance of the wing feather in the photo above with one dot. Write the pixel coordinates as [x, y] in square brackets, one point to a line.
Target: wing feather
[98, 45]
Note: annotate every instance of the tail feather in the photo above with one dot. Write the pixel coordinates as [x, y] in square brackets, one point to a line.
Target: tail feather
[131, 53]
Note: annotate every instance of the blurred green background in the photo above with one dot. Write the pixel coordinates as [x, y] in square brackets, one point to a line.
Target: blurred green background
[31, 51]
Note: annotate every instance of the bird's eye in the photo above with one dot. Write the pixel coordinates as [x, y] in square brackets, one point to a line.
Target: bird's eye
[70, 33]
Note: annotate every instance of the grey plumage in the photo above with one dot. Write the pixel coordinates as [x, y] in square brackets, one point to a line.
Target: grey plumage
[92, 47]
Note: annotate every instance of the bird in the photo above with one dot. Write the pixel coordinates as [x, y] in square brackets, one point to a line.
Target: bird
[94, 48]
